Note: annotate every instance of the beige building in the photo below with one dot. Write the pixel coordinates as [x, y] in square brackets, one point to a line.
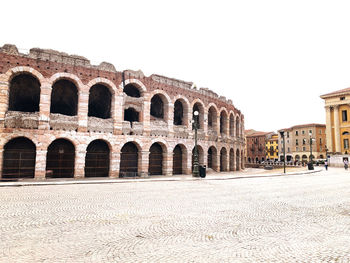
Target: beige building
[298, 142]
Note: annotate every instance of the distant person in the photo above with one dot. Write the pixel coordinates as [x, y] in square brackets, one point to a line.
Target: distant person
[326, 165]
[346, 164]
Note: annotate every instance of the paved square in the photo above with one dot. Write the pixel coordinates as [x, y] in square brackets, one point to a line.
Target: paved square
[299, 218]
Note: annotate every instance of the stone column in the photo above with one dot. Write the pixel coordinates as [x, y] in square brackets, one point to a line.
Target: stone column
[168, 163]
[143, 163]
[234, 159]
[114, 165]
[170, 118]
[118, 114]
[227, 166]
[146, 116]
[218, 125]
[83, 107]
[45, 102]
[216, 163]
[4, 99]
[329, 129]
[337, 129]
[1, 161]
[40, 164]
[79, 169]
[188, 160]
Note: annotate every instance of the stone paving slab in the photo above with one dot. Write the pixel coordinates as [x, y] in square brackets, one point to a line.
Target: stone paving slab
[304, 218]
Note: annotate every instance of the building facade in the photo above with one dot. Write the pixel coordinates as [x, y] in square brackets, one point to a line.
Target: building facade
[62, 117]
[256, 146]
[297, 139]
[272, 147]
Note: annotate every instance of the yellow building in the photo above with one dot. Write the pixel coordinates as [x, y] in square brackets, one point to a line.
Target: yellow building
[272, 147]
[337, 105]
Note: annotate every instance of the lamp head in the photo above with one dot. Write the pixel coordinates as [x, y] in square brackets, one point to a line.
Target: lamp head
[196, 113]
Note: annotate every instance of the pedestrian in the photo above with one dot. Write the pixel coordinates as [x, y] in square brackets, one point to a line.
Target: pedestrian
[326, 165]
[346, 164]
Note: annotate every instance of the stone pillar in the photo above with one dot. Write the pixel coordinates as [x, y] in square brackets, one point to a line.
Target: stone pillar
[218, 125]
[45, 103]
[146, 116]
[170, 118]
[168, 163]
[337, 129]
[227, 166]
[4, 99]
[114, 165]
[79, 169]
[118, 114]
[234, 160]
[1, 161]
[83, 108]
[188, 160]
[216, 163]
[329, 129]
[143, 163]
[205, 122]
[40, 164]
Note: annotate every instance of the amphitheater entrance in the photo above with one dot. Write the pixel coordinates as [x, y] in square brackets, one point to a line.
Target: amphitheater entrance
[212, 158]
[223, 160]
[64, 98]
[129, 160]
[100, 102]
[24, 93]
[60, 159]
[97, 159]
[232, 158]
[177, 160]
[19, 159]
[155, 159]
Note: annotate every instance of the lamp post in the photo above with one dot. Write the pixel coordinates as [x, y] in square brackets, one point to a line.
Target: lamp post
[311, 164]
[326, 153]
[284, 151]
[195, 172]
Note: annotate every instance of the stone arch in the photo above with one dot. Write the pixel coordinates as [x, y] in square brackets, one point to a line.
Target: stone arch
[136, 83]
[179, 159]
[223, 121]
[212, 117]
[19, 158]
[157, 158]
[60, 159]
[198, 105]
[159, 105]
[24, 93]
[97, 159]
[64, 97]
[232, 124]
[232, 159]
[100, 102]
[129, 159]
[12, 72]
[223, 159]
[212, 158]
[181, 107]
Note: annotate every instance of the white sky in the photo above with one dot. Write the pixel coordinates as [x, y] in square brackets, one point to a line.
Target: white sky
[273, 58]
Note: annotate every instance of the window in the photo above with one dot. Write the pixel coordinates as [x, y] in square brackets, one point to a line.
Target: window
[287, 134]
[303, 132]
[303, 149]
[321, 148]
[310, 131]
[296, 133]
[288, 149]
[320, 132]
[346, 143]
[304, 141]
[296, 142]
[320, 141]
[297, 149]
[344, 115]
[342, 98]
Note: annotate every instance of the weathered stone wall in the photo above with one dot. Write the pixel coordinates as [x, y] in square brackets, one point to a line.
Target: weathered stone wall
[44, 127]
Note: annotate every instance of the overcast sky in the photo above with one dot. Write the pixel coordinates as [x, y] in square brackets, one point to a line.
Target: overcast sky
[273, 58]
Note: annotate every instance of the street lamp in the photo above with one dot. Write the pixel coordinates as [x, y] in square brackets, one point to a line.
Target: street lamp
[195, 172]
[326, 153]
[284, 151]
[311, 165]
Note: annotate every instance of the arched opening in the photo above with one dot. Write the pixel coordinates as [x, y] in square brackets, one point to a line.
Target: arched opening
[212, 118]
[238, 127]
[155, 159]
[64, 98]
[19, 159]
[178, 113]
[223, 160]
[97, 159]
[237, 161]
[232, 125]
[198, 107]
[212, 158]
[131, 115]
[304, 158]
[129, 157]
[24, 93]
[297, 157]
[132, 91]
[249, 160]
[200, 155]
[232, 158]
[345, 133]
[223, 122]
[60, 159]
[289, 158]
[321, 156]
[157, 107]
[100, 99]
[177, 160]
[256, 159]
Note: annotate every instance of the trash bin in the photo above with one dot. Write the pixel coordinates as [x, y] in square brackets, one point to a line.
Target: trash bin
[202, 171]
[310, 166]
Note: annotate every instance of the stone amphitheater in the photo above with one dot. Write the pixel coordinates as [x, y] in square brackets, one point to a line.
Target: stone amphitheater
[61, 117]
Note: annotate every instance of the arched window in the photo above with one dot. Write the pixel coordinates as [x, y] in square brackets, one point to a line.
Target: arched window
[157, 107]
[212, 118]
[100, 99]
[345, 133]
[64, 98]
[198, 107]
[223, 122]
[178, 113]
[24, 93]
[132, 91]
[131, 115]
[232, 125]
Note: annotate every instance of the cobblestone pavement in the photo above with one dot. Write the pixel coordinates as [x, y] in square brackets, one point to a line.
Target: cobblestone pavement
[296, 218]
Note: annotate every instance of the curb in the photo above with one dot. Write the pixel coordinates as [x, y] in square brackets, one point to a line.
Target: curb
[167, 179]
